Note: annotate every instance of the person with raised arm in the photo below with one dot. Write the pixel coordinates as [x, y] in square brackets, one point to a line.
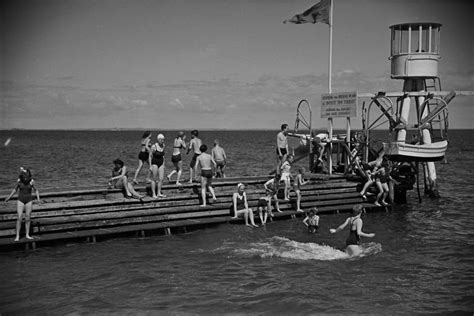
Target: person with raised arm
[355, 223]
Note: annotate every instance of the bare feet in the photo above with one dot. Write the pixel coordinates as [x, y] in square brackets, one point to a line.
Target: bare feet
[29, 237]
[377, 203]
[300, 211]
[161, 195]
[178, 183]
[202, 205]
[385, 203]
[17, 239]
[279, 211]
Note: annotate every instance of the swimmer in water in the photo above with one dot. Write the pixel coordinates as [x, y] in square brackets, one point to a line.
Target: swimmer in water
[353, 241]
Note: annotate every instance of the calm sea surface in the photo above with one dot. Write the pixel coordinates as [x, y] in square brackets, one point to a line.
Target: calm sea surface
[421, 260]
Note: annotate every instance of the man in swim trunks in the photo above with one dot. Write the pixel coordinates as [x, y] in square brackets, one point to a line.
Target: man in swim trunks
[218, 154]
[205, 162]
[282, 145]
[194, 145]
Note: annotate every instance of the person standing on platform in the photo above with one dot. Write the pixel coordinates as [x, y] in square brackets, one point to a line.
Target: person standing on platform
[25, 186]
[194, 145]
[204, 161]
[299, 181]
[219, 156]
[158, 166]
[178, 144]
[143, 155]
[282, 146]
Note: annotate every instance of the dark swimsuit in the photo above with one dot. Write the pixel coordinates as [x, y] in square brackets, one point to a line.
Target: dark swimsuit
[24, 194]
[353, 238]
[157, 157]
[206, 173]
[176, 158]
[193, 161]
[143, 154]
[283, 152]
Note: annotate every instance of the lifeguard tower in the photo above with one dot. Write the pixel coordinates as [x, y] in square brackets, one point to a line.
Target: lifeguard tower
[414, 59]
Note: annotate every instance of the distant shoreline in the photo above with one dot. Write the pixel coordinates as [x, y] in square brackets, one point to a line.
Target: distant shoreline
[181, 129]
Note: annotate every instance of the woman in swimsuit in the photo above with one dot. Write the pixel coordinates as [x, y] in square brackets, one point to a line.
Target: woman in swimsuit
[179, 143]
[240, 206]
[25, 186]
[158, 166]
[144, 154]
[119, 180]
[286, 175]
[355, 222]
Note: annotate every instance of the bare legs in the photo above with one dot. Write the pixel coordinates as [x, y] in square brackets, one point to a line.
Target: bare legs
[157, 181]
[140, 165]
[206, 185]
[298, 201]
[19, 209]
[178, 170]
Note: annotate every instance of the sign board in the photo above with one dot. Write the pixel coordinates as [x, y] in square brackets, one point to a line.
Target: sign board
[339, 104]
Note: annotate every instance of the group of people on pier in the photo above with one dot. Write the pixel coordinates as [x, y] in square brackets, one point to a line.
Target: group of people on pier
[213, 165]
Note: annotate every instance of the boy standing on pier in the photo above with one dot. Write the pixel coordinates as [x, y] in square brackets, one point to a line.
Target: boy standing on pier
[194, 145]
[218, 154]
[205, 162]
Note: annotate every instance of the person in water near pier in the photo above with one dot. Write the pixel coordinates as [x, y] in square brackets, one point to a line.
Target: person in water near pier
[178, 144]
[355, 223]
[219, 156]
[143, 155]
[240, 206]
[25, 186]
[119, 180]
[205, 162]
[271, 188]
[286, 175]
[158, 166]
[299, 181]
[194, 145]
[282, 146]
[312, 220]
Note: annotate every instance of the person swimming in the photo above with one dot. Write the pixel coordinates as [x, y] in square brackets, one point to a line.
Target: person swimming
[355, 222]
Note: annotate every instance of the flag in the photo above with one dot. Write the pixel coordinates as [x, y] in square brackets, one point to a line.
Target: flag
[317, 13]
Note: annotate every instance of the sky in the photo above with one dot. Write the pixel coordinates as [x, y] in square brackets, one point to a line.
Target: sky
[208, 64]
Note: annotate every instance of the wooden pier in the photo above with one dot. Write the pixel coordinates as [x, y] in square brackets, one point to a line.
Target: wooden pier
[97, 213]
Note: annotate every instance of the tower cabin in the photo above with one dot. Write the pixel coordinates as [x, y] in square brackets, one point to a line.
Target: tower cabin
[415, 50]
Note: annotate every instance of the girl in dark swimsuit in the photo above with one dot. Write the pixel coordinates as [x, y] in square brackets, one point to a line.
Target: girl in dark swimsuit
[144, 154]
[352, 242]
[179, 143]
[25, 186]
[240, 206]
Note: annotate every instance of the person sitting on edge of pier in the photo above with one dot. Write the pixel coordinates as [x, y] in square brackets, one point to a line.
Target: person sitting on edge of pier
[264, 206]
[299, 181]
[271, 188]
[119, 180]
[240, 206]
[373, 166]
[312, 220]
[25, 185]
[355, 223]
[204, 161]
[286, 175]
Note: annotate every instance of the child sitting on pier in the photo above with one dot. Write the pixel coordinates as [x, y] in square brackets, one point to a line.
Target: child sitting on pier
[312, 221]
[271, 187]
[119, 180]
[240, 207]
[264, 206]
[299, 181]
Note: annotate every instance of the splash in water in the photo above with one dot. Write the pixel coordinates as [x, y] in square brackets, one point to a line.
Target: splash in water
[286, 248]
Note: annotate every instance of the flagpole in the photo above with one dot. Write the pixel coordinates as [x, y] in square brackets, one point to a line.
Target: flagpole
[329, 85]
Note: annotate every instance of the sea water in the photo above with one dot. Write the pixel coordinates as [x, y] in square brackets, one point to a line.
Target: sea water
[420, 261]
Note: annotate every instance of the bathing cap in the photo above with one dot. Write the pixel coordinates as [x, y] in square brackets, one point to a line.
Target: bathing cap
[240, 185]
[160, 136]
